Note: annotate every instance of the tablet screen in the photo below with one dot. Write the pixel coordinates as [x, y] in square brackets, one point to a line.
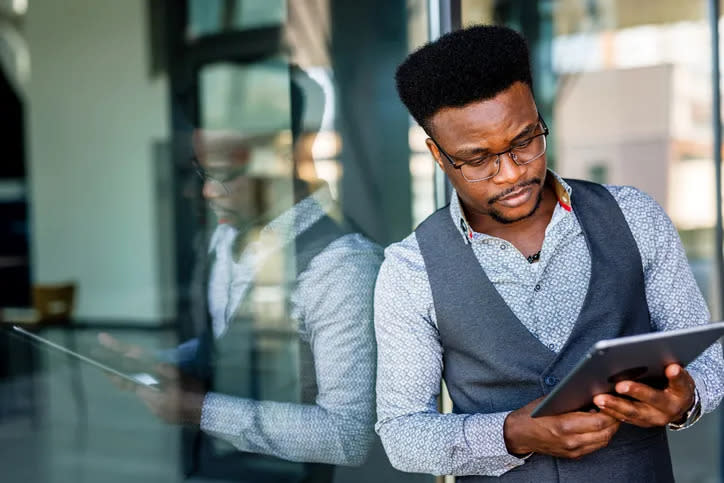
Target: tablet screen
[111, 362]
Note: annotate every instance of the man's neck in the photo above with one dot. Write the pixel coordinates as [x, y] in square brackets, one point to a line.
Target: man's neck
[249, 231]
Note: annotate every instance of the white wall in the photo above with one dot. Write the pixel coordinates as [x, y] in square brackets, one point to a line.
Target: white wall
[619, 118]
[94, 111]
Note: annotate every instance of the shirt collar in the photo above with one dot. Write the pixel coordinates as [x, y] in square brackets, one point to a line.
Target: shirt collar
[562, 189]
[291, 223]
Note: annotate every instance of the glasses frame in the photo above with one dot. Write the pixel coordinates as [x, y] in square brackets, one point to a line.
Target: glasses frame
[545, 133]
[207, 178]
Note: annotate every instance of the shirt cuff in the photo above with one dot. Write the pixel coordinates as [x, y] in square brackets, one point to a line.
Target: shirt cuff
[691, 417]
[223, 415]
[484, 434]
[700, 380]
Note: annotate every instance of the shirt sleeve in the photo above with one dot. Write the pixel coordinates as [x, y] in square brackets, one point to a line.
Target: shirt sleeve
[416, 436]
[673, 296]
[333, 301]
[184, 353]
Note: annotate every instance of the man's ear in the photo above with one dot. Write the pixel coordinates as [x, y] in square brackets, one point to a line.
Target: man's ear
[432, 147]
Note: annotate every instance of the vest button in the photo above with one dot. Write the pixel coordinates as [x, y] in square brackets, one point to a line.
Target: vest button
[537, 288]
[551, 380]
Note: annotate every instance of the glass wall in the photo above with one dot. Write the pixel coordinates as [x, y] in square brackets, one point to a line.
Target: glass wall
[626, 90]
[198, 193]
[203, 190]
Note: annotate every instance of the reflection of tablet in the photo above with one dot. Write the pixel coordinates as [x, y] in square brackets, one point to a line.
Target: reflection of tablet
[641, 358]
[141, 378]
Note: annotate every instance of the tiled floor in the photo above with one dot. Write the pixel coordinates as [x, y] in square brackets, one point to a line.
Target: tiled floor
[82, 429]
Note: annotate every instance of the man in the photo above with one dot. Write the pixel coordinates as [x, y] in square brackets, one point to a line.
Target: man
[503, 291]
[290, 290]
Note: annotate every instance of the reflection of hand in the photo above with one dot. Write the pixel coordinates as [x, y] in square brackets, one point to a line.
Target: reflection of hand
[134, 358]
[178, 399]
[121, 348]
[651, 407]
[569, 435]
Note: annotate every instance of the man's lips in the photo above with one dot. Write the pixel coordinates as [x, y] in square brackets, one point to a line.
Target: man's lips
[518, 197]
[514, 194]
[222, 213]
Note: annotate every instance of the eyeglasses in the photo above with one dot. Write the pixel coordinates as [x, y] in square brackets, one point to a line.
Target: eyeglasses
[522, 153]
[221, 181]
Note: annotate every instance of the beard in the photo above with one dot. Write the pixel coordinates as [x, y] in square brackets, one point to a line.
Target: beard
[500, 218]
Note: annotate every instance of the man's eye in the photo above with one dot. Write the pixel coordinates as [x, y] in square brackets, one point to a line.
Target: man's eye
[523, 144]
[232, 175]
[479, 161]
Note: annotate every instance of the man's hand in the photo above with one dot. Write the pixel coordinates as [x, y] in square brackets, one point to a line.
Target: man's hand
[133, 359]
[651, 407]
[177, 400]
[569, 435]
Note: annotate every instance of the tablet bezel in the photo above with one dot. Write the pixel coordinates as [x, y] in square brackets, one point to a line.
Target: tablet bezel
[608, 358]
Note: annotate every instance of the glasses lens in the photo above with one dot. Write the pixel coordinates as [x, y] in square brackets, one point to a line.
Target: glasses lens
[530, 150]
[486, 168]
[521, 154]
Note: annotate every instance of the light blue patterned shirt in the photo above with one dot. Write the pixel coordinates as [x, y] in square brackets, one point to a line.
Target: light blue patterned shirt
[331, 302]
[546, 296]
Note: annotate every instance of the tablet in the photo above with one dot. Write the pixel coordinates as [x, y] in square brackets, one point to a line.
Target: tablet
[142, 378]
[642, 358]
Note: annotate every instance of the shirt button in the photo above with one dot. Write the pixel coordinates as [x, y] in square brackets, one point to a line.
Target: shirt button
[552, 347]
[503, 247]
[537, 287]
[551, 380]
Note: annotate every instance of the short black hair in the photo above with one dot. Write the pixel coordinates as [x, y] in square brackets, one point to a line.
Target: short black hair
[464, 66]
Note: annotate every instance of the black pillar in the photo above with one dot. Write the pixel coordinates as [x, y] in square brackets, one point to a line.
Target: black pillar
[369, 40]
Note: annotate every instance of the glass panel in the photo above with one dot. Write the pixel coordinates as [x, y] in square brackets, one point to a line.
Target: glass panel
[626, 90]
[211, 225]
[207, 17]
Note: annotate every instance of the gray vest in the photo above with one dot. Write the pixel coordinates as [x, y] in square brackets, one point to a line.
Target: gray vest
[492, 363]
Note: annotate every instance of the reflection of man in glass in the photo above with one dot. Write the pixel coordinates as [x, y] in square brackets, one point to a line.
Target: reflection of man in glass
[288, 283]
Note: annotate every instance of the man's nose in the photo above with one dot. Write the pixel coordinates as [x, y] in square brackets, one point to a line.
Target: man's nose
[509, 171]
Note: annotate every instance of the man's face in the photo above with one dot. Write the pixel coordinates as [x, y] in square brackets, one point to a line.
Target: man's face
[488, 127]
[230, 193]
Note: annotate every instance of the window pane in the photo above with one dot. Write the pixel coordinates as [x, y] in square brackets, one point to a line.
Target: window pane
[207, 17]
[208, 215]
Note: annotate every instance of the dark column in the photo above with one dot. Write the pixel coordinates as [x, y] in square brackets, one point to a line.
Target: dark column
[369, 40]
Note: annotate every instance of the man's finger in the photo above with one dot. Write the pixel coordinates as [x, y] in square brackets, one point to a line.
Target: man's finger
[584, 450]
[120, 383]
[167, 371]
[151, 397]
[110, 342]
[680, 382]
[628, 409]
[615, 414]
[642, 392]
[633, 412]
[575, 446]
[585, 422]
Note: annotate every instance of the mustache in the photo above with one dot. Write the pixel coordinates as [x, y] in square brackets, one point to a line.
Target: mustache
[531, 182]
[216, 207]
